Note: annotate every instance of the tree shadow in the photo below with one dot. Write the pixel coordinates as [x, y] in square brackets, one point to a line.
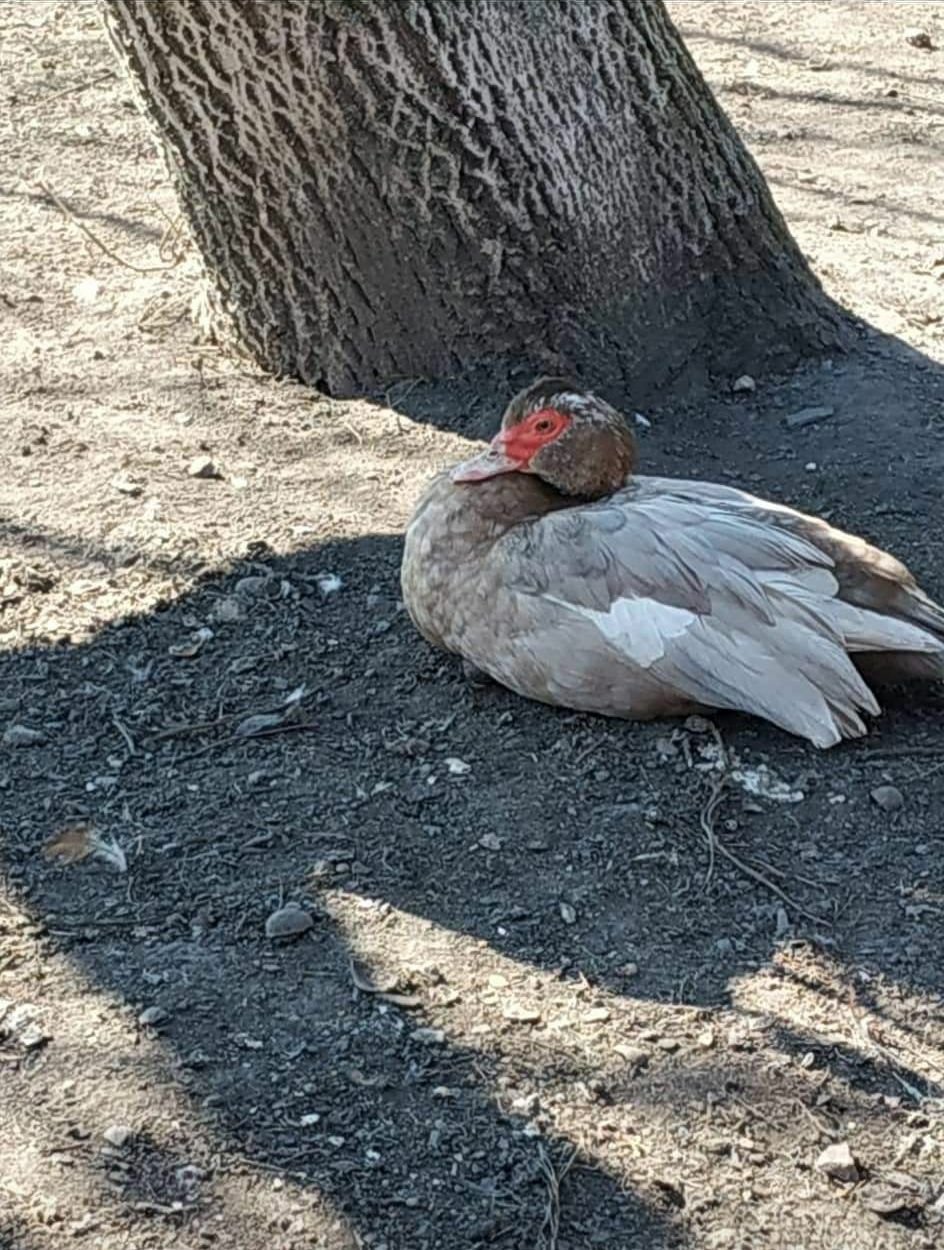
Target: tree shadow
[844, 197]
[558, 884]
[752, 89]
[767, 48]
[26, 540]
[135, 229]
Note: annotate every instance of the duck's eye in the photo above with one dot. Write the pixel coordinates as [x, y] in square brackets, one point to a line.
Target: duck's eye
[544, 425]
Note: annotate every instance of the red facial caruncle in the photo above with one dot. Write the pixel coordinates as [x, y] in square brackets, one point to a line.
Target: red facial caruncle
[513, 449]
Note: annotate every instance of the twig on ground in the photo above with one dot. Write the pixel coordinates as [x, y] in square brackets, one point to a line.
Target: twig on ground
[900, 753]
[864, 1028]
[413, 383]
[289, 728]
[93, 238]
[755, 873]
[822, 1129]
[707, 821]
[74, 89]
[550, 1227]
[125, 733]
[354, 433]
[717, 847]
[178, 731]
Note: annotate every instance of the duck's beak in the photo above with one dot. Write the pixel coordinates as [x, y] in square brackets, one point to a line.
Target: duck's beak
[489, 463]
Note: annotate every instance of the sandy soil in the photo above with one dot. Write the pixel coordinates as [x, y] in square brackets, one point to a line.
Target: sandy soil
[526, 1012]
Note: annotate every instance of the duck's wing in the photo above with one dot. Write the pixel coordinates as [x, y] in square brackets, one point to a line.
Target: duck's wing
[866, 575]
[713, 599]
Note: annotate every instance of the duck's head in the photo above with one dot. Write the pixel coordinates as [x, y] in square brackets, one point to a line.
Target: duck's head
[569, 437]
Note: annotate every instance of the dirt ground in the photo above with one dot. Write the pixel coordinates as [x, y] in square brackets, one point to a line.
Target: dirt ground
[528, 1011]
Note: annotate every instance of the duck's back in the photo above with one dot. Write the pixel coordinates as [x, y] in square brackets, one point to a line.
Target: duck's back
[866, 575]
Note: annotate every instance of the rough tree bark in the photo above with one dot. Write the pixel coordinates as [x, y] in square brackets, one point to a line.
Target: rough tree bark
[400, 188]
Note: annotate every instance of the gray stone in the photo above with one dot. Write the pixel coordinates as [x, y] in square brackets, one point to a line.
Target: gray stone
[888, 798]
[289, 921]
[837, 1162]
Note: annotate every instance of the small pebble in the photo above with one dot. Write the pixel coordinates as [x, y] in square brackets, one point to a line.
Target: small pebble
[228, 610]
[596, 1015]
[87, 290]
[634, 1055]
[203, 467]
[31, 1037]
[428, 1037]
[521, 1015]
[837, 1162]
[126, 485]
[744, 384]
[807, 416]
[919, 38]
[568, 913]
[118, 1135]
[289, 921]
[490, 842]
[22, 736]
[888, 798]
[249, 587]
[151, 1016]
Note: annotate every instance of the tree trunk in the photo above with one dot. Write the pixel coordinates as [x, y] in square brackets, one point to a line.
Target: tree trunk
[403, 188]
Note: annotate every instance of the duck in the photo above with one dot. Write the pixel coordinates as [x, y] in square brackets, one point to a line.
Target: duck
[552, 568]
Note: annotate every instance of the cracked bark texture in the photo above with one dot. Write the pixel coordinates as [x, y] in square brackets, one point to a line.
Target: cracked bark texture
[383, 189]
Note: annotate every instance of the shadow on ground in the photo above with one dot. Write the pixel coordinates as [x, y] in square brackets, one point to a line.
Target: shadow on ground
[518, 967]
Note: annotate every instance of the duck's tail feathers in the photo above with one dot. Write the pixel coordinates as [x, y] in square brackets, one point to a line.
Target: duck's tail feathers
[889, 649]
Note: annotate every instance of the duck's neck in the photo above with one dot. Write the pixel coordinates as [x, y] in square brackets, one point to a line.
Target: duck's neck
[474, 515]
[500, 503]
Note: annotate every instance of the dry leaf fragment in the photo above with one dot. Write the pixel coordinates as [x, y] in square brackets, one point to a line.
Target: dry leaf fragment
[186, 650]
[259, 723]
[71, 845]
[407, 1001]
[78, 842]
[387, 986]
[520, 1014]
[329, 583]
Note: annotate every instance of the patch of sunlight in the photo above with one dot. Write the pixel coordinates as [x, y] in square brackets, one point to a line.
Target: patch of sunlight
[814, 997]
[58, 1170]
